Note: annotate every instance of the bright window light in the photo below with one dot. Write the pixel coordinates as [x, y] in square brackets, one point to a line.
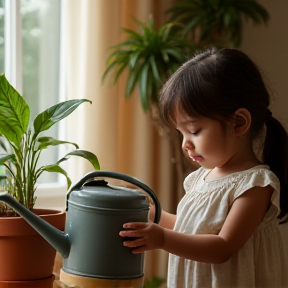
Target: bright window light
[30, 58]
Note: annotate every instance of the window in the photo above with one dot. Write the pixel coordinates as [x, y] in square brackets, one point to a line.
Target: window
[30, 59]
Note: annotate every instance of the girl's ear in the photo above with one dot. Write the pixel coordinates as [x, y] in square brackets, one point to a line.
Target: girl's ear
[242, 121]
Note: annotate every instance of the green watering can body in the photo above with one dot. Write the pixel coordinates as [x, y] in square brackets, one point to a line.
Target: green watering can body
[96, 211]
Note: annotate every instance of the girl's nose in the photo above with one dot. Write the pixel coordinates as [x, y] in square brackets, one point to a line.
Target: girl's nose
[187, 145]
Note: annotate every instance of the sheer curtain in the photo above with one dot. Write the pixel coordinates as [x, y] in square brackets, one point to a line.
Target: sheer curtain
[115, 129]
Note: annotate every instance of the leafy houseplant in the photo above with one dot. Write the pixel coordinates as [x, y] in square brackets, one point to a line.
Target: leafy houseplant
[150, 55]
[23, 144]
[217, 22]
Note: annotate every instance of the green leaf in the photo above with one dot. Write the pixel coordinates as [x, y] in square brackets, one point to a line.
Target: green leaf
[192, 24]
[133, 77]
[6, 158]
[50, 141]
[165, 56]
[120, 70]
[143, 86]
[165, 30]
[119, 66]
[14, 112]
[134, 35]
[254, 10]
[92, 158]
[3, 143]
[54, 114]
[57, 169]
[134, 58]
[155, 70]
[176, 54]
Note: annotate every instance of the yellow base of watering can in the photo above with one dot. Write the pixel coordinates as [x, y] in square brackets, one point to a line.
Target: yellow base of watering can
[87, 282]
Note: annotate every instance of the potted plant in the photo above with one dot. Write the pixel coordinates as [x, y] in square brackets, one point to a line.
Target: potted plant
[219, 22]
[22, 146]
[150, 56]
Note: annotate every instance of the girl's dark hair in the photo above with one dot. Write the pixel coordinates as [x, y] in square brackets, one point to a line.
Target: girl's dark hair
[217, 82]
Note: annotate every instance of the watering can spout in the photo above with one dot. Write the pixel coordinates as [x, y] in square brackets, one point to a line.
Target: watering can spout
[58, 239]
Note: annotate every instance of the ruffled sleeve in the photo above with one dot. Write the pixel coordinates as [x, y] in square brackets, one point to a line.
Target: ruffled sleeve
[193, 178]
[261, 178]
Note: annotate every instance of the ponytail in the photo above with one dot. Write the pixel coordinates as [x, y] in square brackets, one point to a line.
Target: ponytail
[275, 155]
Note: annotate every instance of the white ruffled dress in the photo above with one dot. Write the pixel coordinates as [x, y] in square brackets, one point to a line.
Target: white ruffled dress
[203, 209]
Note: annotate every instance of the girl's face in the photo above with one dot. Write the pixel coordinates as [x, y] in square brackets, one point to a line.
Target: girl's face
[206, 140]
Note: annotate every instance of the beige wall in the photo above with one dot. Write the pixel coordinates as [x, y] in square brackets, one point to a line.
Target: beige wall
[268, 46]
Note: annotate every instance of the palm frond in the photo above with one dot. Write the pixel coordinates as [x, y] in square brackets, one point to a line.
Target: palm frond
[217, 19]
[147, 54]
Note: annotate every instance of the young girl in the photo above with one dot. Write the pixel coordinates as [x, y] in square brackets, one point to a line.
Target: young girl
[225, 233]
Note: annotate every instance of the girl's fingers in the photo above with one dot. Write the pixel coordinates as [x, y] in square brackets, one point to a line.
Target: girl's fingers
[136, 229]
[141, 236]
[137, 245]
[135, 225]
[130, 233]
[134, 243]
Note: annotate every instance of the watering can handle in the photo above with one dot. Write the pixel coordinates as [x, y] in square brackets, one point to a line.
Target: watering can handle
[124, 177]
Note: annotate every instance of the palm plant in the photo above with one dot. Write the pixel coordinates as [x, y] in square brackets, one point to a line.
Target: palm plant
[150, 55]
[216, 22]
[22, 145]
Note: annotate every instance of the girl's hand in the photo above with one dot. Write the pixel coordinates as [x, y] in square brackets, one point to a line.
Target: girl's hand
[149, 236]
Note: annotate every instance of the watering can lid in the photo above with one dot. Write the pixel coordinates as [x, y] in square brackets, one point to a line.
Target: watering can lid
[100, 194]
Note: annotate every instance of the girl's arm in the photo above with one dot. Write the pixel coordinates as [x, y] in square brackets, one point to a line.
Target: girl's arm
[167, 220]
[243, 219]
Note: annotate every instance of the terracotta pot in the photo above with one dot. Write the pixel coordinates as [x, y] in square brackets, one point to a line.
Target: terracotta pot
[42, 283]
[25, 255]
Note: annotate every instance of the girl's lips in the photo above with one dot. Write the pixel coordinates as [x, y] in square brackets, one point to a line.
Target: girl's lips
[196, 158]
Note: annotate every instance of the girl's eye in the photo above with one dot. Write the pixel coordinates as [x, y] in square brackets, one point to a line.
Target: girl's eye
[195, 133]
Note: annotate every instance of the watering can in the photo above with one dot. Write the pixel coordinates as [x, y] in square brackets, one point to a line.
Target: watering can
[96, 211]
